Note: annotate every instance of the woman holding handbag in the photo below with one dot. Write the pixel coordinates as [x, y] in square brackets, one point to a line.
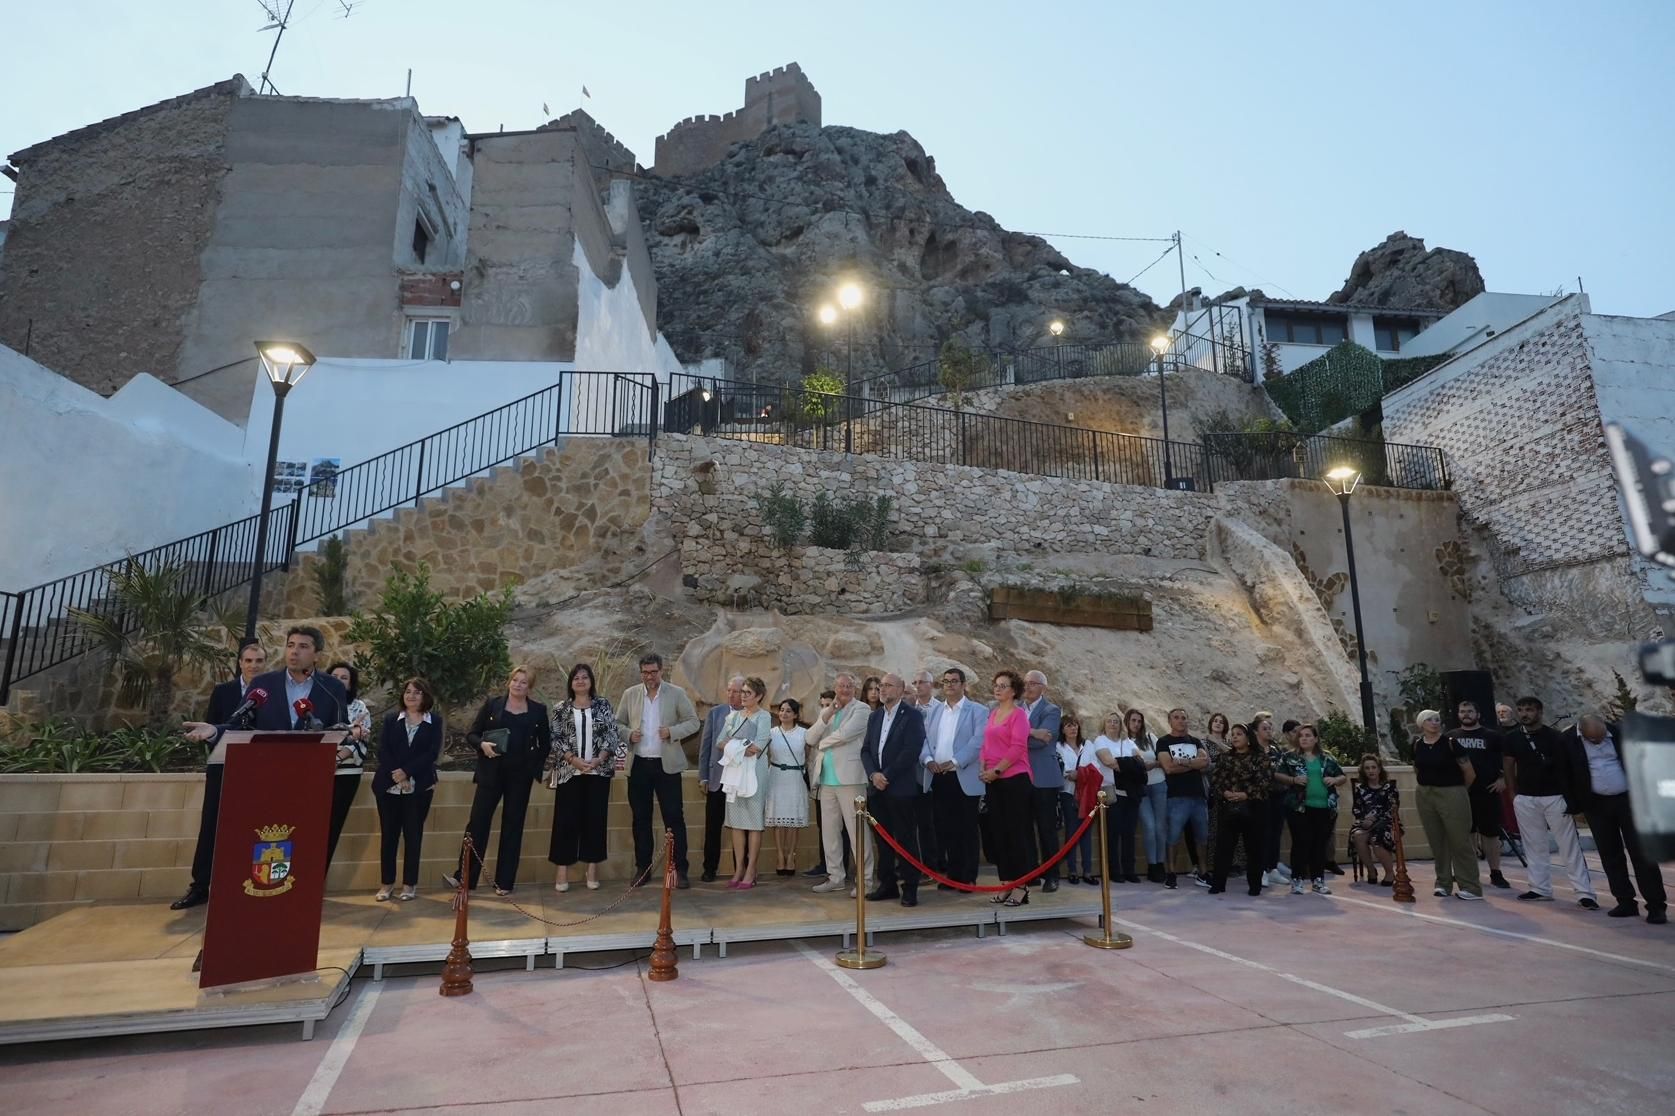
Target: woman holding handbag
[1125, 771]
[587, 746]
[404, 784]
[1239, 786]
[512, 738]
[787, 785]
[745, 734]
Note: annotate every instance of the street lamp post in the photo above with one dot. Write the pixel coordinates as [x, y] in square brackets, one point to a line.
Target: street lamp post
[1159, 344]
[1056, 328]
[284, 364]
[849, 298]
[1342, 481]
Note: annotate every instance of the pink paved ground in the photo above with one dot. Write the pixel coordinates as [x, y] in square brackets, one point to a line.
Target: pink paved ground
[1224, 1003]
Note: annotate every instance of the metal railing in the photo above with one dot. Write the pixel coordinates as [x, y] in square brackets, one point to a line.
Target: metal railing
[1280, 455]
[38, 624]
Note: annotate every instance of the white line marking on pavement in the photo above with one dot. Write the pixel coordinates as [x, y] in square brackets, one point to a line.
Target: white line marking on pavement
[1412, 1022]
[313, 1099]
[1394, 909]
[969, 1085]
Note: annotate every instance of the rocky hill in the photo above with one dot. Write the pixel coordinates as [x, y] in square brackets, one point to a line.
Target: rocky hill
[747, 250]
[1401, 272]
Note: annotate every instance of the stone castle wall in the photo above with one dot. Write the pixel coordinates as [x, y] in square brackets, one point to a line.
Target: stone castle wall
[782, 96]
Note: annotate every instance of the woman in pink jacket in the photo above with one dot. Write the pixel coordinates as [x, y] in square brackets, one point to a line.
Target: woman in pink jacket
[1005, 762]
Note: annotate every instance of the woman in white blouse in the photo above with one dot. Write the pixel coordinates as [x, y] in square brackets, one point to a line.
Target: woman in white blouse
[586, 748]
[1127, 789]
[1154, 800]
[746, 815]
[787, 785]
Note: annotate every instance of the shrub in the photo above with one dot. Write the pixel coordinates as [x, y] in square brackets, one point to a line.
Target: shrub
[331, 577]
[784, 515]
[821, 399]
[1624, 700]
[959, 369]
[459, 648]
[858, 523]
[1346, 740]
[829, 524]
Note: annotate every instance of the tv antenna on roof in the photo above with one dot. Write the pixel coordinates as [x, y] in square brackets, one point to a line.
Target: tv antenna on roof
[276, 22]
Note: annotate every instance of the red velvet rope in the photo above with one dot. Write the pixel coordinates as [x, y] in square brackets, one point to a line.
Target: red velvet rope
[957, 885]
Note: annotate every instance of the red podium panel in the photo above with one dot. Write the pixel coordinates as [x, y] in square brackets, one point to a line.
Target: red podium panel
[269, 879]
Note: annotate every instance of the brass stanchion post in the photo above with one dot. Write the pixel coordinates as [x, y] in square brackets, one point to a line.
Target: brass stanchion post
[1105, 939]
[1402, 892]
[859, 958]
[456, 972]
[663, 960]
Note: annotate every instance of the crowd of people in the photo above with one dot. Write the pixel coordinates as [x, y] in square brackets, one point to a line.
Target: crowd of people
[955, 780]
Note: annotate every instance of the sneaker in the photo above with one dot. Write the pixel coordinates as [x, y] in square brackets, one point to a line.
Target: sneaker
[1535, 897]
[1200, 880]
[1657, 917]
[1284, 871]
[1498, 880]
[1169, 881]
[1588, 904]
[1440, 892]
[1624, 910]
[1320, 887]
[1271, 878]
[829, 885]
[1296, 887]
[1467, 895]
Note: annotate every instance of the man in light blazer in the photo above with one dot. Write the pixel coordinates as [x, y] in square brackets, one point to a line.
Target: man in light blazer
[951, 760]
[890, 756]
[709, 776]
[1044, 770]
[657, 716]
[836, 738]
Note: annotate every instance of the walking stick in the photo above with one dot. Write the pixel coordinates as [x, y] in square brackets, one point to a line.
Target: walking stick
[1105, 939]
[859, 958]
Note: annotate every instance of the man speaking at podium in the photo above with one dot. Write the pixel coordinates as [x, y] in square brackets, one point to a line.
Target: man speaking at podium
[279, 709]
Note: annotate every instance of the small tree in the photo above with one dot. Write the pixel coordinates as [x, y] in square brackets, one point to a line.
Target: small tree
[784, 515]
[459, 648]
[1625, 700]
[1344, 739]
[331, 577]
[150, 626]
[820, 400]
[959, 369]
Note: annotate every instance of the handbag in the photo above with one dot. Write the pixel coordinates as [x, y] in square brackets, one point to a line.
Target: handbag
[1131, 774]
[499, 739]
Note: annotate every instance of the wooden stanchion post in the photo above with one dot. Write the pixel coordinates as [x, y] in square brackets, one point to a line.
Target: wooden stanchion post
[664, 965]
[456, 972]
[859, 958]
[1402, 892]
[1105, 939]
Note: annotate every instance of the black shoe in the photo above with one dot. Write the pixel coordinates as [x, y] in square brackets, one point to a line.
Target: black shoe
[640, 876]
[1093, 880]
[1019, 900]
[818, 870]
[192, 898]
[1072, 879]
[1498, 880]
[1256, 890]
[1169, 881]
[1587, 904]
[1050, 885]
[880, 894]
[682, 883]
[946, 887]
[910, 900]
[1624, 910]
[1535, 897]
[1334, 869]
[1216, 889]
[707, 877]
[1131, 879]
[1154, 873]
[1657, 917]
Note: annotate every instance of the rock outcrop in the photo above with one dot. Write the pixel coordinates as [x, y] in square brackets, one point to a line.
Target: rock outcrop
[747, 250]
[1401, 273]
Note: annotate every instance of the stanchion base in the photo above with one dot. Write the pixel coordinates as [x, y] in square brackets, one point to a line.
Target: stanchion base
[1115, 941]
[860, 959]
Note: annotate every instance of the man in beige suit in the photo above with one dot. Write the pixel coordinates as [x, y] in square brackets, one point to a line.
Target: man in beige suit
[836, 761]
[657, 717]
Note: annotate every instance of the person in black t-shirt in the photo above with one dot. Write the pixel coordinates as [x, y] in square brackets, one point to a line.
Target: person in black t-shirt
[1444, 772]
[1483, 747]
[1184, 759]
[1538, 772]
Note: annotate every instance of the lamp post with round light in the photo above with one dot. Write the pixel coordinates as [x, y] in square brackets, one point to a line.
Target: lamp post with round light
[285, 364]
[1342, 480]
[1056, 328]
[1160, 343]
[849, 299]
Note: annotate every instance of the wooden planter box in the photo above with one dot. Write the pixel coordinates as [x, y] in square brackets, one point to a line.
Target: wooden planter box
[1090, 610]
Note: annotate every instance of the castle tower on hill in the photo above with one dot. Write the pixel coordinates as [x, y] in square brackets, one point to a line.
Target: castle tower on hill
[782, 96]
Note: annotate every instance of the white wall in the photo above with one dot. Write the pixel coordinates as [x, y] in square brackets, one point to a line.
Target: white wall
[89, 479]
[1479, 319]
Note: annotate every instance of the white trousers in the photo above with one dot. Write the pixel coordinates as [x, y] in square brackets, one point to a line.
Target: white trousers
[1537, 817]
[837, 817]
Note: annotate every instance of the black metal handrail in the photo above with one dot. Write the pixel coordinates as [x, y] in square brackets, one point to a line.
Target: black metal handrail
[1280, 454]
[41, 634]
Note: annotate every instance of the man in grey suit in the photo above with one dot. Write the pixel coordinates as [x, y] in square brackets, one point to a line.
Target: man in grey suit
[952, 759]
[709, 776]
[658, 716]
[1044, 770]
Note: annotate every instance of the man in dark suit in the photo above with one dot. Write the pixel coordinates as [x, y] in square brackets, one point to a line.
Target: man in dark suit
[284, 688]
[890, 755]
[1599, 789]
[224, 700]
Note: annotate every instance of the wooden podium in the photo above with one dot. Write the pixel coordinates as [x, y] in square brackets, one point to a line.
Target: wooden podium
[268, 883]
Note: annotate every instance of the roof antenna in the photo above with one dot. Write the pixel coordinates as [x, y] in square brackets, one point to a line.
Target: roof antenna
[276, 22]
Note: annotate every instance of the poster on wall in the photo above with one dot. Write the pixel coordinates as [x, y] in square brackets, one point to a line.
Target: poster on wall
[322, 477]
[288, 476]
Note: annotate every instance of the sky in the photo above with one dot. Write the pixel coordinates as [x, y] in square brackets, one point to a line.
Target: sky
[1280, 139]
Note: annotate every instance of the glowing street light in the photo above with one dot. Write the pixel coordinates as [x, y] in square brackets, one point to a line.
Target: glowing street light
[1056, 328]
[828, 314]
[1342, 480]
[849, 295]
[1159, 344]
[284, 363]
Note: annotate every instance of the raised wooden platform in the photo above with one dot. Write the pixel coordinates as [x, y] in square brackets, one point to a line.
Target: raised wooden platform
[125, 967]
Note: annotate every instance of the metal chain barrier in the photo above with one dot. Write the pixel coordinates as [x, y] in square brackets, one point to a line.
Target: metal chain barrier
[980, 888]
[627, 894]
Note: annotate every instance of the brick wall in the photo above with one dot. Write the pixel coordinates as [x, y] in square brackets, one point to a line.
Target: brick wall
[425, 288]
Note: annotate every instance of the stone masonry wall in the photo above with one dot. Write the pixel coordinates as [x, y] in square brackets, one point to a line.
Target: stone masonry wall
[782, 96]
[751, 570]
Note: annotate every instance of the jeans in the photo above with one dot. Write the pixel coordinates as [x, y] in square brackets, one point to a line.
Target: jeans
[1084, 848]
[1189, 812]
[1154, 821]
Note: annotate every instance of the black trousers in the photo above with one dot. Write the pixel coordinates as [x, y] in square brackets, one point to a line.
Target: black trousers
[1307, 843]
[1613, 829]
[899, 815]
[344, 790]
[1251, 824]
[648, 780]
[1328, 854]
[1011, 826]
[510, 785]
[581, 808]
[715, 818]
[1122, 820]
[955, 819]
[1044, 803]
[203, 857]
[401, 820]
[930, 846]
[1275, 834]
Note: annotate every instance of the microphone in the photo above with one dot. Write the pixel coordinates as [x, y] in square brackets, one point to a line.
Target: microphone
[304, 709]
[253, 701]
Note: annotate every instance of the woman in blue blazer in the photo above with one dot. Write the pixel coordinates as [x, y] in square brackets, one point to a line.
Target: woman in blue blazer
[408, 748]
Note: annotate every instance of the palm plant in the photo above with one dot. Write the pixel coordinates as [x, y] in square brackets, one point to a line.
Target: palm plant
[150, 626]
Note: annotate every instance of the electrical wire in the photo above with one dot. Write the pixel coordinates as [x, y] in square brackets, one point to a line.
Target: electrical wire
[1250, 271]
[1151, 265]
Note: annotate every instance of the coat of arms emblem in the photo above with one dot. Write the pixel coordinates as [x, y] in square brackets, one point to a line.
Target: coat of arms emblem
[270, 862]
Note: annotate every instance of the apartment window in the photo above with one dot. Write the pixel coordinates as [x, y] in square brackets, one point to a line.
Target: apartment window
[1305, 329]
[427, 339]
[1390, 334]
[421, 240]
